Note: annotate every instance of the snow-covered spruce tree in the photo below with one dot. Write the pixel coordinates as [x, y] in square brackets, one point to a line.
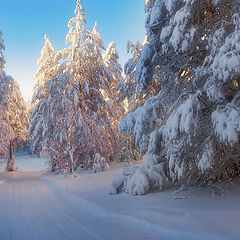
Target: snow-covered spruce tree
[190, 129]
[127, 96]
[111, 95]
[48, 69]
[62, 123]
[71, 137]
[15, 116]
[81, 77]
[132, 98]
[83, 60]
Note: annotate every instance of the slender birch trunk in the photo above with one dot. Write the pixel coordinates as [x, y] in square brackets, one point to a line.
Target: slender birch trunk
[10, 162]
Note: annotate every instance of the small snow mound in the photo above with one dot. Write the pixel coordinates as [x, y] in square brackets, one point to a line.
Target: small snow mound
[138, 180]
[117, 184]
[139, 183]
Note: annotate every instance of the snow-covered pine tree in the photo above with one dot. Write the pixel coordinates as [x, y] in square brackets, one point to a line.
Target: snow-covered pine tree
[96, 105]
[5, 132]
[83, 60]
[72, 56]
[118, 88]
[81, 76]
[128, 87]
[190, 129]
[111, 95]
[48, 69]
[111, 58]
[5, 135]
[16, 117]
[13, 114]
[62, 120]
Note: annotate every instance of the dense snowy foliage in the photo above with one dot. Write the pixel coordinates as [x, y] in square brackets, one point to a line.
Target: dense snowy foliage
[5, 134]
[13, 114]
[5, 131]
[128, 86]
[190, 128]
[16, 116]
[75, 114]
[111, 94]
[48, 67]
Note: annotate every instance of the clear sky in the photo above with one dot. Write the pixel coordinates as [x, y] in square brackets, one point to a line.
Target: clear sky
[24, 23]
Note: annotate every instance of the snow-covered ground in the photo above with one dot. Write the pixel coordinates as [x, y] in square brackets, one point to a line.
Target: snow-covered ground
[36, 205]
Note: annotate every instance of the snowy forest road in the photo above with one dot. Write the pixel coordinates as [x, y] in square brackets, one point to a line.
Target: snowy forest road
[34, 207]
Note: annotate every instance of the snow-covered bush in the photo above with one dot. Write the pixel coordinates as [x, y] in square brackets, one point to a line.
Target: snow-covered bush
[100, 164]
[192, 124]
[137, 181]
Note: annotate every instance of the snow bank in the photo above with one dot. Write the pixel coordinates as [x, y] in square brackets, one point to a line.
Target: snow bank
[139, 180]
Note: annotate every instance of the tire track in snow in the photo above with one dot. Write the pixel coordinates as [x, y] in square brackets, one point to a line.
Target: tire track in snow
[125, 221]
[120, 223]
[32, 212]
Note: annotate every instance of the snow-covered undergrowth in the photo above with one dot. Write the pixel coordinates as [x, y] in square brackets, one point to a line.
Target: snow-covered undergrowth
[100, 164]
[138, 180]
[143, 123]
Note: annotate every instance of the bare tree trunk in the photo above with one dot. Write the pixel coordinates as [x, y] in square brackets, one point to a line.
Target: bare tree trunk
[10, 162]
[71, 161]
[70, 149]
[53, 166]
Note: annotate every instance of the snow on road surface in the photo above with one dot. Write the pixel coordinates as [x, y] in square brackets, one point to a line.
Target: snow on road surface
[38, 206]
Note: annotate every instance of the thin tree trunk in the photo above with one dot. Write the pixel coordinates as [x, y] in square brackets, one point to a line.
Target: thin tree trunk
[71, 161]
[70, 150]
[53, 167]
[10, 162]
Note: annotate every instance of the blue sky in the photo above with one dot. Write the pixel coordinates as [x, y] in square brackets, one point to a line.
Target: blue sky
[25, 22]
